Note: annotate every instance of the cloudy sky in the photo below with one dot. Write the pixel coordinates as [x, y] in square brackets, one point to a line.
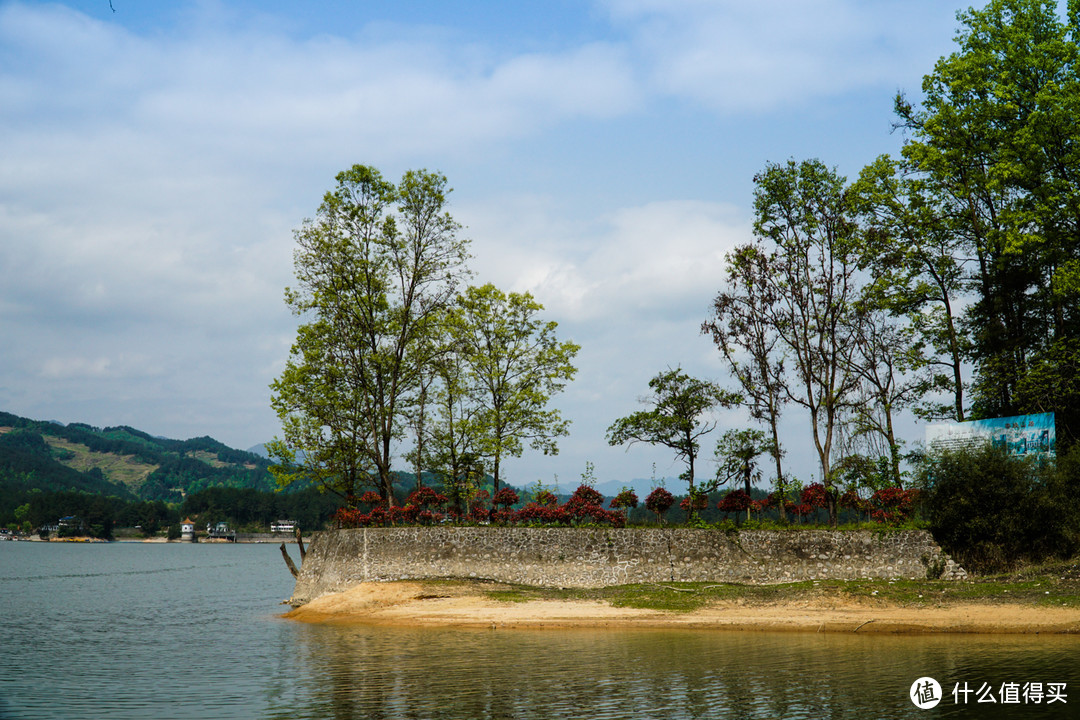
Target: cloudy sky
[155, 160]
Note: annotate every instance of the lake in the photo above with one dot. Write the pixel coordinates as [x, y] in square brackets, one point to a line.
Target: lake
[178, 631]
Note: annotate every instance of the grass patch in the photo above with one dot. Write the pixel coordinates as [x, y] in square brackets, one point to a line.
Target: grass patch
[125, 469]
[1054, 585]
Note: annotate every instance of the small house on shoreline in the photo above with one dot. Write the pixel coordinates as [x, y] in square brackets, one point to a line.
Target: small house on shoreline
[220, 531]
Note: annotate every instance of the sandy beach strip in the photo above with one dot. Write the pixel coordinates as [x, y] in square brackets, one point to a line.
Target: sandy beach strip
[442, 605]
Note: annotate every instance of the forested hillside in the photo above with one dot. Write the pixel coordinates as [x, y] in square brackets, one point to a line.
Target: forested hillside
[119, 461]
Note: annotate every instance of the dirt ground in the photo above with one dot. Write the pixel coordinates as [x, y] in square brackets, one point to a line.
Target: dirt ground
[467, 605]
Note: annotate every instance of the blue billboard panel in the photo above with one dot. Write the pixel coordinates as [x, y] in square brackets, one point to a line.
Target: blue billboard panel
[1020, 435]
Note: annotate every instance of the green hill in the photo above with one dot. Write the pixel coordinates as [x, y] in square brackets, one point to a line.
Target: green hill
[119, 461]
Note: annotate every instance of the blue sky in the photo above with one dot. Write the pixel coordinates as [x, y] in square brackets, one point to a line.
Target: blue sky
[157, 158]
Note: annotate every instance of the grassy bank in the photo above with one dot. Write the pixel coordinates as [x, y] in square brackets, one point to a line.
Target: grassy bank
[1049, 585]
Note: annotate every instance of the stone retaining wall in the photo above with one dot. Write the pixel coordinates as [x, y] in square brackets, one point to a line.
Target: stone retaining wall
[574, 557]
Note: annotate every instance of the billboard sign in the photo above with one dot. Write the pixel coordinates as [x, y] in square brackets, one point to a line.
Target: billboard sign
[1028, 435]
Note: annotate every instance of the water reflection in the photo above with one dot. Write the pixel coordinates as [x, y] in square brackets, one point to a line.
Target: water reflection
[363, 673]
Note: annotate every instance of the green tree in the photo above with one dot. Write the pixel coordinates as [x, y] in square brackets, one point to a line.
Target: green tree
[809, 257]
[914, 254]
[885, 352]
[375, 271]
[997, 139]
[515, 364]
[737, 452]
[454, 431]
[677, 419]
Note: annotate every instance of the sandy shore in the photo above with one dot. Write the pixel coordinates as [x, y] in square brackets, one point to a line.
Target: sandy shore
[411, 603]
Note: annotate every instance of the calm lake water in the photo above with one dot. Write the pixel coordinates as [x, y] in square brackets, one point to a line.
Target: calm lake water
[192, 631]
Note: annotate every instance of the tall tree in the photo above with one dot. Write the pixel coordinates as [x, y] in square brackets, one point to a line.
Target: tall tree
[803, 215]
[374, 270]
[914, 254]
[885, 352]
[515, 364]
[742, 329]
[998, 135]
[454, 440]
[677, 419]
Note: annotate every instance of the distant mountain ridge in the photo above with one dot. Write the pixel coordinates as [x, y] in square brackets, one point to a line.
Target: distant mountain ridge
[120, 461]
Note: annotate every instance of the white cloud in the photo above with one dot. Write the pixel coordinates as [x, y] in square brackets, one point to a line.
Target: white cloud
[737, 56]
[655, 260]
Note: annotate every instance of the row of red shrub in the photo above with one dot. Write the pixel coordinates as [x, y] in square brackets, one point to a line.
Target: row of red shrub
[428, 507]
[891, 505]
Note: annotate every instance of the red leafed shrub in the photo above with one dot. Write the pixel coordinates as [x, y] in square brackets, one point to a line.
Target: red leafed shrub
[587, 495]
[774, 499]
[734, 501]
[758, 506]
[578, 507]
[427, 517]
[478, 514]
[815, 496]
[503, 517]
[659, 502]
[543, 514]
[348, 517]
[371, 498]
[426, 497]
[894, 505]
[853, 501]
[505, 498]
[700, 503]
[801, 509]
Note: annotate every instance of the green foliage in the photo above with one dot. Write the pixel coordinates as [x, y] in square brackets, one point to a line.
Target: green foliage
[991, 511]
[997, 143]
[737, 452]
[375, 272]
[31, 461]
[676, 419]
[248, 507]
[513, 364]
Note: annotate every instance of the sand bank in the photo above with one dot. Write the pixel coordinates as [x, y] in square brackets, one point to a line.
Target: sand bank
[420, 604]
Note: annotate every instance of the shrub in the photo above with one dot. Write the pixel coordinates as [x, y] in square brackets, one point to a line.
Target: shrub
[894, 505]
[851, 500]
[505, 498]
[371, 498]
[587, 495]
[625, 500]
[426, 497]
[815, 496]
[734, 501]
[991, 511]
[659, 502]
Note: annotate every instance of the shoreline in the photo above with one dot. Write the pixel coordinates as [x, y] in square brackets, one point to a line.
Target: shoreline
[290, 540]
[466, 605]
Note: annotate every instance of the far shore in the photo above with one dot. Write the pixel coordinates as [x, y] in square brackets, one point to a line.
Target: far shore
[477, 605]
[267, 540]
